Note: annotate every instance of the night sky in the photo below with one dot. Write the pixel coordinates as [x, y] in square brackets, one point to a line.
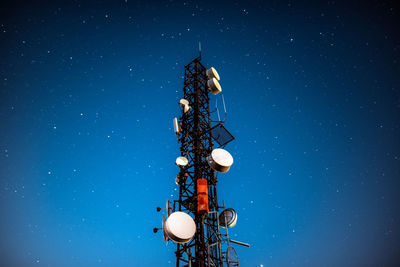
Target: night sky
[88, 91]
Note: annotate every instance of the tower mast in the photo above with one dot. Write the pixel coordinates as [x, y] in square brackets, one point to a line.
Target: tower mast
[196, 144]
[199, 241]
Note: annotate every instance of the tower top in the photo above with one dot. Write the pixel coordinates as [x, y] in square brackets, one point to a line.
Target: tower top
[200, 50]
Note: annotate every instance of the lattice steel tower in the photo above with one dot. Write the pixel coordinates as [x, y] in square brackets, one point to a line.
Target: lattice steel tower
[197, 181]
[196, 145]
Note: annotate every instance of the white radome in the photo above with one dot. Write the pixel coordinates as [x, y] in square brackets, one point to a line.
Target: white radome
[222, 157]
[214, 86]
[181, 161]
[180, 227]
[212, 73]
[220, 160]
[183, 102]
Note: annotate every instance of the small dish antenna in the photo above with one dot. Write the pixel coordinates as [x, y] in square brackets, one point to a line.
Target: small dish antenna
[220, 160]
[184, 104]
[181, 161]
[214, 86]
[228, 218]
[212, 73]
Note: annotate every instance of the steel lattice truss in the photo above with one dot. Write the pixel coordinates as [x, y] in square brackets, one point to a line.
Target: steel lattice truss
[196, 144]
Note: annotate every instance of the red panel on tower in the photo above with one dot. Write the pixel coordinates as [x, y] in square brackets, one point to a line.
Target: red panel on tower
[202, 196]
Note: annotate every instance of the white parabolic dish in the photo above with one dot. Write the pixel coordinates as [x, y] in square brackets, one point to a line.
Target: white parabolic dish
[181, 161]
[214, 86]
[180, 227]
[183, 102]
[212, 73]
[222, 157]
[220, 160]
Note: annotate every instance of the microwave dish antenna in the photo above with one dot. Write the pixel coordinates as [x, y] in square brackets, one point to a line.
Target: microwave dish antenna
[180, 227]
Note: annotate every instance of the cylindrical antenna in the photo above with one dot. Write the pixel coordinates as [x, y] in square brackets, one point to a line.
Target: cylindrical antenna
[199, 50]
[240, 243]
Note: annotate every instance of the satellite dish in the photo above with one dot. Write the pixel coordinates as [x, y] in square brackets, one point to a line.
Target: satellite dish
[180, 227]
[183, 102]
[214, 86]
[163, 230]
[228, 218]
[185, 105]
[181, 161]
[168, 207]
[231, 257]
[212, 73]
[220, 160]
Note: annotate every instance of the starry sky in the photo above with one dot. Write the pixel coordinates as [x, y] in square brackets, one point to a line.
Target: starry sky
[88, 90]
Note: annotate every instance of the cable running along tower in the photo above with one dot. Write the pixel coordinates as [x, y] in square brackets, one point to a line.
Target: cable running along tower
[194, 221]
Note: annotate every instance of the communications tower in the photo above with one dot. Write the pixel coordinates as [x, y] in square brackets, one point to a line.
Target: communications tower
[194, 221]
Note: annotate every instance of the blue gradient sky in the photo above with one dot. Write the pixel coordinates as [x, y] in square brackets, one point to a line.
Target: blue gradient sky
[88, 92]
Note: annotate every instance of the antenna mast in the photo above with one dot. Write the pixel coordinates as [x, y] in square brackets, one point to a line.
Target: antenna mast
[199, 240]
[199, 50]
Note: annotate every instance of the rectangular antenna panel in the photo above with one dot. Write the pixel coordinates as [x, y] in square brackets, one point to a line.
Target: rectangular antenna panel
[221, 135]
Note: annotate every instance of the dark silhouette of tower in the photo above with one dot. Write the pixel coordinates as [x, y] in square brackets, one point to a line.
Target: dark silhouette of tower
[196, 145]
